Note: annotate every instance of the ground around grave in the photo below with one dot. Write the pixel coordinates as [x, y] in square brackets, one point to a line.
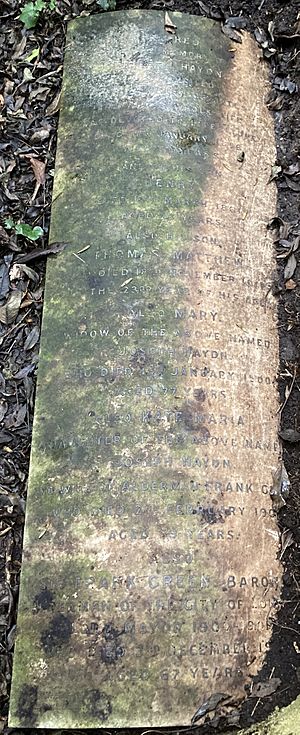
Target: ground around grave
[31, 72]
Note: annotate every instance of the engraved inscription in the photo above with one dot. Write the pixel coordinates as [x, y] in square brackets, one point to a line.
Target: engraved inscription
[151, 576]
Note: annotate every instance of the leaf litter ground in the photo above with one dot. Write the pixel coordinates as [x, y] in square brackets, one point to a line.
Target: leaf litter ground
[31, 70]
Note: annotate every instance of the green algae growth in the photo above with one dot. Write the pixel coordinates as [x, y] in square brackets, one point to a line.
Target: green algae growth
[133, 606]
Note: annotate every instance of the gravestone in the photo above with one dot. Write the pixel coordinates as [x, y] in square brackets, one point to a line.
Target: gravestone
[150, 572]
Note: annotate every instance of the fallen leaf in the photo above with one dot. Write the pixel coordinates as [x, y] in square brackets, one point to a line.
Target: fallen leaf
[5, 436]
[277, 103]
[40, 93]
[214, 12]
[285, 244]
[32, 338]
[231, 33]
[11, 637]
[33, 54]
[290, 284]
[286, 541]
[21, 415]
[53, 108]
[20, 48]
[281, 488]
[39, 135]
[292, 184]
[203, 7]
[237, 22]
[19, 269]
[56, 247]
[9, 195]
[170, 27]
[27, 75]
[3, 409]
[292, 169]
[233, 718]
[275, 223]
[4, 281]
[265, 688]
[34, 297]
[296, 243]
[275, 171]
[4, 236]
[290, 435]
[208, 706]
[271, 26]
[24, 372]
[38, 169]
[290, 267]
[16, 418]
[39, 173]
[9, 311]
[285, 85]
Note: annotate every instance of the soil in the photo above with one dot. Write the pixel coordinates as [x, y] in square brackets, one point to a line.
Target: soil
[28, 123]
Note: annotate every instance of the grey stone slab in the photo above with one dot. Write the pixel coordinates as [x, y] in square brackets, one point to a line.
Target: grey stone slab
[150, 569]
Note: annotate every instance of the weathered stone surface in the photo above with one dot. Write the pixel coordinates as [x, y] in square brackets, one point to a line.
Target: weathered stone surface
[150, 568]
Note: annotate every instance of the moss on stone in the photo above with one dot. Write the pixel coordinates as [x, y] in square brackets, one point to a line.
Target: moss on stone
[142, 147]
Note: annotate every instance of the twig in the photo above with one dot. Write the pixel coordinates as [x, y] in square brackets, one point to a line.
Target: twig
[280, 409]
[9, 331]
[255, 706]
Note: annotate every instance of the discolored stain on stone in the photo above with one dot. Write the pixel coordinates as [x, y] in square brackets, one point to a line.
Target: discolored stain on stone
[138, 359]
[110, 633]
[192, 419]
[94, 281]
[210, 514]
[111, 650]
[26, 704]
[199, 395]
[57, 634]
[44, 600]
[97, 704]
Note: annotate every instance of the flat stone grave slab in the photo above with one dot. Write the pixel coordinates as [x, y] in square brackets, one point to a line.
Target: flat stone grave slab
[150, 573]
